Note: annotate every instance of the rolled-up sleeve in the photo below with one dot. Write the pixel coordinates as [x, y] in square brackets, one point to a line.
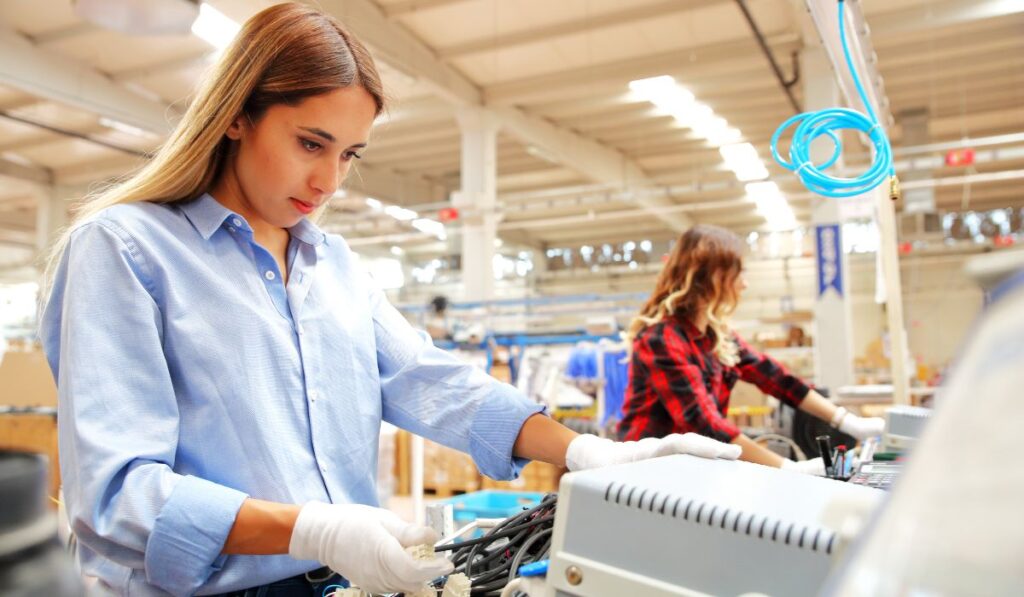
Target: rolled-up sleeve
[118, 419]
[770, 376]
[429, 392]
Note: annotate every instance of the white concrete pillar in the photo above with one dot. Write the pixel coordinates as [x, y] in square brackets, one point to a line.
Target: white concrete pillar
[476, 200]
[51, 216]
[833, 333]
[915, 132]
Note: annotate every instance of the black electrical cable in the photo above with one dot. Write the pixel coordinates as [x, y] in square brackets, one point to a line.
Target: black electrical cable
[492, 561]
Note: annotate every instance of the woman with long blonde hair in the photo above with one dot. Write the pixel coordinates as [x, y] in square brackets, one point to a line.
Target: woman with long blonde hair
[685, 358]
[223, 366]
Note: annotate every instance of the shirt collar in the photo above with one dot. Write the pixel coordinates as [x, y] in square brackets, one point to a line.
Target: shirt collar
[693, 333]
[308, 232]
[207, 215]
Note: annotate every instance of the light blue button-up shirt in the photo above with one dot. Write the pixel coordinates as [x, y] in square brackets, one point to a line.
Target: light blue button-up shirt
[190, 376]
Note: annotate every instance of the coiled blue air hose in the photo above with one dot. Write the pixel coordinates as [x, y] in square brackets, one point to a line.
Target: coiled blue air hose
[826, 122]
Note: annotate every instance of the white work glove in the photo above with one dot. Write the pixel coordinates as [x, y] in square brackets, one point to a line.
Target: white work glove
[814, 466]
[589, 451]
[366, 546]
[862, 427]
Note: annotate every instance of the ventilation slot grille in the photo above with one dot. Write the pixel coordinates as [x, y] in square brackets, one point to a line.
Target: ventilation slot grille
[732, 520]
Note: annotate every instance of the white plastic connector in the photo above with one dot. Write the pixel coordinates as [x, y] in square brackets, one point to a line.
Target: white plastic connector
[457, 585]
[426, 591]
[421, 552]
[349, 592]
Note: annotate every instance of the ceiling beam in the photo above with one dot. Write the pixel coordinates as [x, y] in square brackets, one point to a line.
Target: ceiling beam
[398, 9]
[931, 41]
[405, 53]
[18, 102]
[932, 15]
[48, 137]
[538, 34]
[18, 203]
[18, 238]
[402, 50]
[166, 66]
[49, 75]
[996, 49]
[93, 170]
[395, 186]
[715, 60]
[62, 33]
[33, 174]
[418, 109]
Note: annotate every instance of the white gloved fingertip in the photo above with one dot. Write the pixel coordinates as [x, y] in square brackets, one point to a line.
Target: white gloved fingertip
[730, 452]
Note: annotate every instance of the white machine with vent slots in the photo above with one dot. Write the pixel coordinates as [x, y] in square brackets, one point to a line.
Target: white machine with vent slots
[903, 425]
[682, 525]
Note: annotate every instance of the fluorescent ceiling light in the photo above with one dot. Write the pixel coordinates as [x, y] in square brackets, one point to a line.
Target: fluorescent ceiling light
[213, 27]
[753, 171]
[710, 126]
[400, 213]
[743, 160]
[428, 226]
[724, 136]
[652, 86]
[671, 98]
[739, 153]
[110, 123]
[374, 204]
[663, 92]
[694, 115]
[763, 190]
[771, 204]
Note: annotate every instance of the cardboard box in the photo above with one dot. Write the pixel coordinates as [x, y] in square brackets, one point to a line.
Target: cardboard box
[536, 476]
[26, 380]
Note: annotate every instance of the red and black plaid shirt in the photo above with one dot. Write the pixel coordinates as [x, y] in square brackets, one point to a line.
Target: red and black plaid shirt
[678, 385]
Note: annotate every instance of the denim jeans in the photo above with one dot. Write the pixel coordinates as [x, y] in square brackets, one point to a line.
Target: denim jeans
[311, 584]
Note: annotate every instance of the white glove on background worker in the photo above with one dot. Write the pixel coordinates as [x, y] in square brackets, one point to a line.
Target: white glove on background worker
[589, 451]
[814, 466]
[859, 427]
[366, 546]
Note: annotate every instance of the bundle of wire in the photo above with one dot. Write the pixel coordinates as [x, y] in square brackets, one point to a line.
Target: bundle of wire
[826, 123]
[492, 561]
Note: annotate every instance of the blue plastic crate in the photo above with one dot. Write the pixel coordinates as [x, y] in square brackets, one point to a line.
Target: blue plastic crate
[491, 504]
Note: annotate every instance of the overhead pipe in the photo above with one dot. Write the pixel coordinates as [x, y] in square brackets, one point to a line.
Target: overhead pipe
[787, 85]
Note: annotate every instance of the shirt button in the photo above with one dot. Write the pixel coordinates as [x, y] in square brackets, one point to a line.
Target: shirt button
[298, 329]
[323, 469]
[313, 395]
[269, 275]
[236, 221]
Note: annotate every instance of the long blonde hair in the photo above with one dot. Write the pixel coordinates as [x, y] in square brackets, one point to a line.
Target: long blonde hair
[282, 55]
[700, 274]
